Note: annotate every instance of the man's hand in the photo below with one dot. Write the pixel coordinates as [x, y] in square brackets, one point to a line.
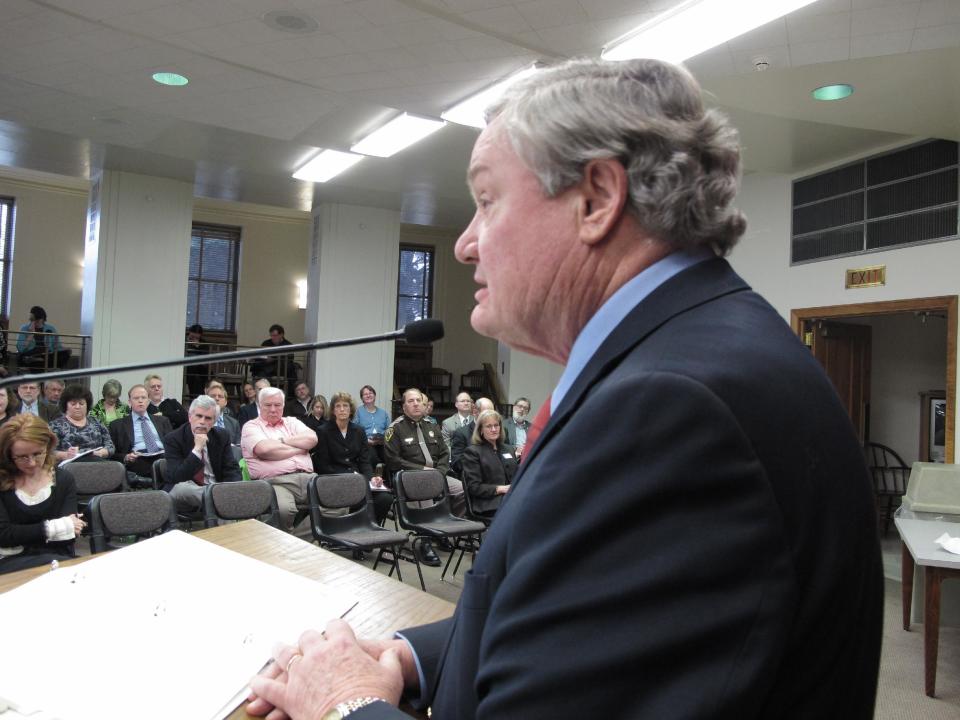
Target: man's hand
[130, 457]
[326, 669]
[199, 442]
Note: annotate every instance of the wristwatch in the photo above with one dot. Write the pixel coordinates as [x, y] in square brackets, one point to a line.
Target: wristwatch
[344, 709]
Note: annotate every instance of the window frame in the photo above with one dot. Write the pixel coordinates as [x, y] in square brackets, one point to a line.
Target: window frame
[233, 234]
[427, 296]
[6, 257]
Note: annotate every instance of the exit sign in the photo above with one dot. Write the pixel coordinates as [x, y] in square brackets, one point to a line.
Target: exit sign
[867, 277]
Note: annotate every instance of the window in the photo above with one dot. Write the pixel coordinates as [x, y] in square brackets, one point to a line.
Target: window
[415, 285]
[904, 197]
[212, 284]
[6, 252]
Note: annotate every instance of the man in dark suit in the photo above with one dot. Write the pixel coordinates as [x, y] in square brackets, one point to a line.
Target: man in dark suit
[460, 438]
[299, 405]
[198, 453]
[31, 402]
[137, 438]
[711, 554]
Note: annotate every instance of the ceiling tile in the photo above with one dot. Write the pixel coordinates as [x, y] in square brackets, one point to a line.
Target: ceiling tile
[938, 12]
[822, 7]
[932, 38]
[339, 18]
[542, 14]
[386, 12]
[304, 48]
[436, 53]
[603, 9]
[880, 20]
[502, 19]
[369, 38]
[809, 28]
[609, 29]
[881, 44]
[485, 48]
[770, 35]
[717, 61]
[570, 39]
[360, 81]
[465, 6]
[819, 52]
[869, 4]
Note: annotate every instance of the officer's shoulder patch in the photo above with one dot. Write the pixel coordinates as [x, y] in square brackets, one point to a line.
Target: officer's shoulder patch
[388, 435]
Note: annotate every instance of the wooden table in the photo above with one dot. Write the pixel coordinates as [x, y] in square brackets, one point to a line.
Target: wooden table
[383, 604]
[918, 548]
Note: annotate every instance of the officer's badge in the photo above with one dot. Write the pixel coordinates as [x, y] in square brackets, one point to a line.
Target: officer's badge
[388, 435]
[430, 433]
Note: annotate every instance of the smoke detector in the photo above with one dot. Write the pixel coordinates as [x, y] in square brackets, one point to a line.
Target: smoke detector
[290, 21]
[761, 63]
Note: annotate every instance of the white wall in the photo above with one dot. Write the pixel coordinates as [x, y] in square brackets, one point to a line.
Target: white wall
[763, 259]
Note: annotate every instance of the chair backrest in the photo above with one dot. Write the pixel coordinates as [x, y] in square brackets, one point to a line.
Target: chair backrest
[158, 468]
[96, 478]
[890, 473]
[421, 486]
[121, 514]
[240, 501]
[470, 514]
[337, 492]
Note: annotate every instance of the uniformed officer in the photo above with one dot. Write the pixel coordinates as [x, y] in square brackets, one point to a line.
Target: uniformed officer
[411, 443]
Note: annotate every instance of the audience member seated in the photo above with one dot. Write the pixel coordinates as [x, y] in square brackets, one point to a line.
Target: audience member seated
[38, 504]
[463, 416]
[460, 440]
[249, 395]
[317, 417]
[517, 426]
[198, 453]
[195, 375]
[8, 405]
[277, 449]
[342, 448]
[249, 412]
[225, 420]
[373, 420]
[488, 464]
[110, 407]
[77, 431]
[137, 438]
[171, 409]
[38, 345]
[52, 390]
[411, 444]
[30, 402]
[299, 404]
[428, 410]
[275, 366]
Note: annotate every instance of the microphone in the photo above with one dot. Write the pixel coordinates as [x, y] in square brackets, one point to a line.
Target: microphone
[419, 331]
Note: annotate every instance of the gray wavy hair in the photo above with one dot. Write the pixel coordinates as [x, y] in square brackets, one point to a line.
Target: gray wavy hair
[682, 160]
[205, 402]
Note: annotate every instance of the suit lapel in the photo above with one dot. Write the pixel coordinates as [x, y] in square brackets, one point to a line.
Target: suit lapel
[694, 286]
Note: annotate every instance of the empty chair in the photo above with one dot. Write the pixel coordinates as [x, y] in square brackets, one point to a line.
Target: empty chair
[435, 521]
[96, 479]
[240, 501]
[139, 514]
[890, 474]
[355, 530]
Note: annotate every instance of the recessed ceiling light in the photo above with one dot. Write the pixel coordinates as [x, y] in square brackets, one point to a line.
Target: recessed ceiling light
[401, 132]
[290, 21]
[833, 92]
[470, 111]
[328, 164]
[169, 78]
[695, 26]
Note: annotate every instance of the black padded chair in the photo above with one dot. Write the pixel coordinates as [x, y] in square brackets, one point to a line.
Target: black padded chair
[890, 475]
[96, 478]
[435, 521]
[139, 515]
[158, 469]
[355, 530]
[469, 512]
[255, 499]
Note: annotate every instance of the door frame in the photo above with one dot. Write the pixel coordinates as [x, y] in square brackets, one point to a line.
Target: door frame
[944, 303]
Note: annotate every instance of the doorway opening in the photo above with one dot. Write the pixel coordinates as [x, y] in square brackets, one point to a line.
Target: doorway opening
[853, 368]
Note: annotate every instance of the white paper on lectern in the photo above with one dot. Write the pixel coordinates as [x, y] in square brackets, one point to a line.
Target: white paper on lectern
[950, 544]
[173, 626]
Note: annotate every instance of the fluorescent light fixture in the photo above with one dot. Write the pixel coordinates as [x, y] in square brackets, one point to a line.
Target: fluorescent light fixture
[302, 294]
[470, 111]
[694, 26]
[169, 78]
[401, 132]
[832, 92]
[328, 164]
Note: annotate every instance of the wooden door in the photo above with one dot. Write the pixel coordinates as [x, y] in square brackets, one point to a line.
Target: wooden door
[844, 351]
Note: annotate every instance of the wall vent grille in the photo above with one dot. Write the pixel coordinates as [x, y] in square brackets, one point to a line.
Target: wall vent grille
[905, 197]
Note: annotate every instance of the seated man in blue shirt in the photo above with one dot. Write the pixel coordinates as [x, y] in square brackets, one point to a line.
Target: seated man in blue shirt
[137, 438]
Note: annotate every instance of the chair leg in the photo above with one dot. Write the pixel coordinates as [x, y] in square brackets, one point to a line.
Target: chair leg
[416, 559]
[396, 562]
[449, 559]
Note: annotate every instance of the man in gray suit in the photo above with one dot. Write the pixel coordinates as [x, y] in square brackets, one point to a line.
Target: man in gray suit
[460, 418]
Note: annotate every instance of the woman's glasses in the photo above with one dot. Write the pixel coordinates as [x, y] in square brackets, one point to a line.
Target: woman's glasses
[36, 457]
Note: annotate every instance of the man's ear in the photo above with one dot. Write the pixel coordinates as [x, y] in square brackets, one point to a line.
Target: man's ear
[603, 195]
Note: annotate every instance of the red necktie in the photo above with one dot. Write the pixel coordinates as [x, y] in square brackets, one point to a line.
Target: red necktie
[198, 476]
[536, 427]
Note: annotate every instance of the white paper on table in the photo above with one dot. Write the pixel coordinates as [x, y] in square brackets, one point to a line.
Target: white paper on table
[950, 544]
[173, 626]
